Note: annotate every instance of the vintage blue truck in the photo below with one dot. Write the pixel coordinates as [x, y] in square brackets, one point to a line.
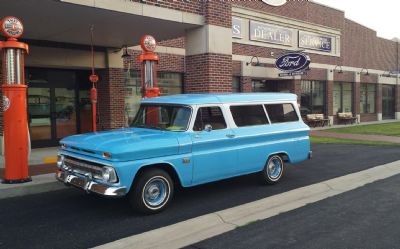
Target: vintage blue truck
[187, 140]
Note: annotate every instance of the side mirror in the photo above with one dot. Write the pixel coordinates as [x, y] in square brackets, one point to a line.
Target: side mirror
[208, 128]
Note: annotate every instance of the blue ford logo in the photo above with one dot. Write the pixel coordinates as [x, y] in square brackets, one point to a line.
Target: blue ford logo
[292, 62]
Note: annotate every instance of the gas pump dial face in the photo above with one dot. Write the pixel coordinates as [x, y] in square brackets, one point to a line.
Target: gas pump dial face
[148, 43]
[11, 27]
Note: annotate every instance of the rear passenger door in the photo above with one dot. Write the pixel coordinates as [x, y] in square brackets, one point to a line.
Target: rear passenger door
[252, 136]
[213, 150]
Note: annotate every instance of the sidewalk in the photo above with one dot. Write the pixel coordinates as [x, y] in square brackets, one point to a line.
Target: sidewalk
[321, 133]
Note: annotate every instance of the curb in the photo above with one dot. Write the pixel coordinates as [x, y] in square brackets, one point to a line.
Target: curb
[39, 184]
[194, 230]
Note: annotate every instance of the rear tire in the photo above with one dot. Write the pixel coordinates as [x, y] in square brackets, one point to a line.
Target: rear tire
[152, 191]
[273, 170]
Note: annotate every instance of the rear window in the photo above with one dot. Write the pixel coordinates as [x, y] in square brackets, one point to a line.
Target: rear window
[280, 113]
[248, 115]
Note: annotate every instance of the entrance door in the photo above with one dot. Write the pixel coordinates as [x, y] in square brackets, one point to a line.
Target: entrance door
[52, 114]
[57, 99]
[388, 102]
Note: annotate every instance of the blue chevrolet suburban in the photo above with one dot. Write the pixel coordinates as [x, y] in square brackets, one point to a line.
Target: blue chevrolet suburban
[187, 140]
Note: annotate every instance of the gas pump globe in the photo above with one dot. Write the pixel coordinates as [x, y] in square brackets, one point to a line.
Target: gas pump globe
[14, 101]
[148, 61]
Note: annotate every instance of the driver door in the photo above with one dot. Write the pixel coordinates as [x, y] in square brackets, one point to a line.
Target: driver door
[214, 155]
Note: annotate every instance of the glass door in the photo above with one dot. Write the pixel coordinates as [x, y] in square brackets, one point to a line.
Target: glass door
[64, 118]
[388, 102]
[39, 110]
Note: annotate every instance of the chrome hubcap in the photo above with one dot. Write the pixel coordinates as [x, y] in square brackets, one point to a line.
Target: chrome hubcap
[155, 192]
[274, 168]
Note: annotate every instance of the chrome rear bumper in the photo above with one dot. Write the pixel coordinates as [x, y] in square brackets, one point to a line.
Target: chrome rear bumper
[89, 185]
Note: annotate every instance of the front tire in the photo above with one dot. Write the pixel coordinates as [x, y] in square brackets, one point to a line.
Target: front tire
[152, 191]
[273, 170]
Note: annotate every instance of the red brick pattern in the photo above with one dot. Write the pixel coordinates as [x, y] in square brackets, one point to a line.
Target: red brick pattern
[315, 74]
[176, 43]
[397, 98]
[246, 84]
[329, 98]
[195, 6]
[218, 13]
[368, 117]
[168, 62]
[300, 10]
[111, 92]
[236, 68]
[208, 73]
[378, 98]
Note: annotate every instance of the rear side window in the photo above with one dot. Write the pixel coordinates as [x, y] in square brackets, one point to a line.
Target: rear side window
[248, 115]
[209, 116]
[280, 113]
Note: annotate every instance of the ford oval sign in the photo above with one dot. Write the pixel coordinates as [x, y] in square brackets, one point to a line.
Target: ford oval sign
[293, 62]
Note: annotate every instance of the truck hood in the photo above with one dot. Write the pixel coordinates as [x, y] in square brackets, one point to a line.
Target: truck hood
[124, 144]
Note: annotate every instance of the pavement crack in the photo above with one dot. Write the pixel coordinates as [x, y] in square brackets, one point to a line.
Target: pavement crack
[224, 221]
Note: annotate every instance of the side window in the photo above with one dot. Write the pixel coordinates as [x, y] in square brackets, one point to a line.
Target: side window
[209, 115]
[279, 113]
[248, 115]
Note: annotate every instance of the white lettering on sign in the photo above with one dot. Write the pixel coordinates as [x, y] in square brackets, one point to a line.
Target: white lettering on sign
[290, 61]
[6, 103]
[270, 33]
[236, 27]
[315, 41]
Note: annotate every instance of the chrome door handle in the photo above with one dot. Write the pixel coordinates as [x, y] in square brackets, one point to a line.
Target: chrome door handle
[230, 135]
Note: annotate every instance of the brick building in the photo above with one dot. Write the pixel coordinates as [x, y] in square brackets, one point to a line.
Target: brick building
[204, 46]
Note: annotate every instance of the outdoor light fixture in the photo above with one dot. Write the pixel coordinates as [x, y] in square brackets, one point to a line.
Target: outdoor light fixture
[364, 69]
[251, 61]
[340, 69]
[125, 53]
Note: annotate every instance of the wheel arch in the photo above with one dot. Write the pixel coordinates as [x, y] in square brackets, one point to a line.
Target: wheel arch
[169, 168]
[283, 154]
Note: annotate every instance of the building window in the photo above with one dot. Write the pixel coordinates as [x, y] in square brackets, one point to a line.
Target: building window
[236, 84]
[312, 97]
[342, 97]
[169, 83]
[248, 115]
[367, 98]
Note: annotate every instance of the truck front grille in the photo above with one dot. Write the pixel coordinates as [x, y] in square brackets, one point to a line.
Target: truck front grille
[83, 167]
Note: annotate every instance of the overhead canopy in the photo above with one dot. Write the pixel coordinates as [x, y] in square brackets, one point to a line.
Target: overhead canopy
[116, 22]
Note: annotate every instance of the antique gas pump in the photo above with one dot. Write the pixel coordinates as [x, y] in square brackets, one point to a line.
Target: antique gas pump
[14, 102]
[148, 61]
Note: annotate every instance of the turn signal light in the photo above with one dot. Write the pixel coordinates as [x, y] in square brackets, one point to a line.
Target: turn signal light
[106, 155]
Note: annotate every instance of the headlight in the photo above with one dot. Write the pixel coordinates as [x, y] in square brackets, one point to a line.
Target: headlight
[60, 161]
[109, 174]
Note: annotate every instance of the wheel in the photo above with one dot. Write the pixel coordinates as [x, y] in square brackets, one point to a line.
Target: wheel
[273, 169]
[151, 192]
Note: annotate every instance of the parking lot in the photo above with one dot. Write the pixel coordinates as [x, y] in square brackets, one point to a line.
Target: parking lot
[71, 219]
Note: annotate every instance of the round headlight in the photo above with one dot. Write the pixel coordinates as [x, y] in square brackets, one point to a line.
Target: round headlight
[109, 174]
[60, 160]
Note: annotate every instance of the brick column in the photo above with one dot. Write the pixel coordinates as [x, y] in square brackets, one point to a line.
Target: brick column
[246, 84]
[296, 89]
[111, 101]
[329, 98]
[209, 51]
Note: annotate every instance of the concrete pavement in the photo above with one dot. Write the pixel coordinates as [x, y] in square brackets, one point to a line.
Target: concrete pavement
[200, 228]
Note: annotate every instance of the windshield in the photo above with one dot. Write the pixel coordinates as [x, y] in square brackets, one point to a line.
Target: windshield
[162, 117]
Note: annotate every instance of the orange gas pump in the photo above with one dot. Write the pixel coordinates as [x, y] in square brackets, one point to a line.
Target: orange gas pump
[148, 61]
[14, 102]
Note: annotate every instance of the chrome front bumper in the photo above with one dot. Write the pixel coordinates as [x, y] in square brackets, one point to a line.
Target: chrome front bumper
[89, 185]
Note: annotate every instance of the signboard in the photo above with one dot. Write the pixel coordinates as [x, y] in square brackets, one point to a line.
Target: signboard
[294, 63]
[315, 41]
[236, 27]
[275, 2]
[270, 33]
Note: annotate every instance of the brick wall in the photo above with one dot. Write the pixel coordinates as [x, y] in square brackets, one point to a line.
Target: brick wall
[110, 91]
[195, 7]
[208, 73]
[300, 10]
[1, 102]
[218, 13]
[168, 62]
[236, 68]
[315, 74]
[176, 43]
[368, 117]
[246, 84]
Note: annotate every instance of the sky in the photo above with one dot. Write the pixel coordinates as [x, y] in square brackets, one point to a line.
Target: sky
[383, 16]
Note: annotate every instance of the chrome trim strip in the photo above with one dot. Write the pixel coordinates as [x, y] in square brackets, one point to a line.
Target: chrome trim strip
[70, 154]
[89, 185]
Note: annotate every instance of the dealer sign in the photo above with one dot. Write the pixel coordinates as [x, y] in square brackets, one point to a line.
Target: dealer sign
[294, 63]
